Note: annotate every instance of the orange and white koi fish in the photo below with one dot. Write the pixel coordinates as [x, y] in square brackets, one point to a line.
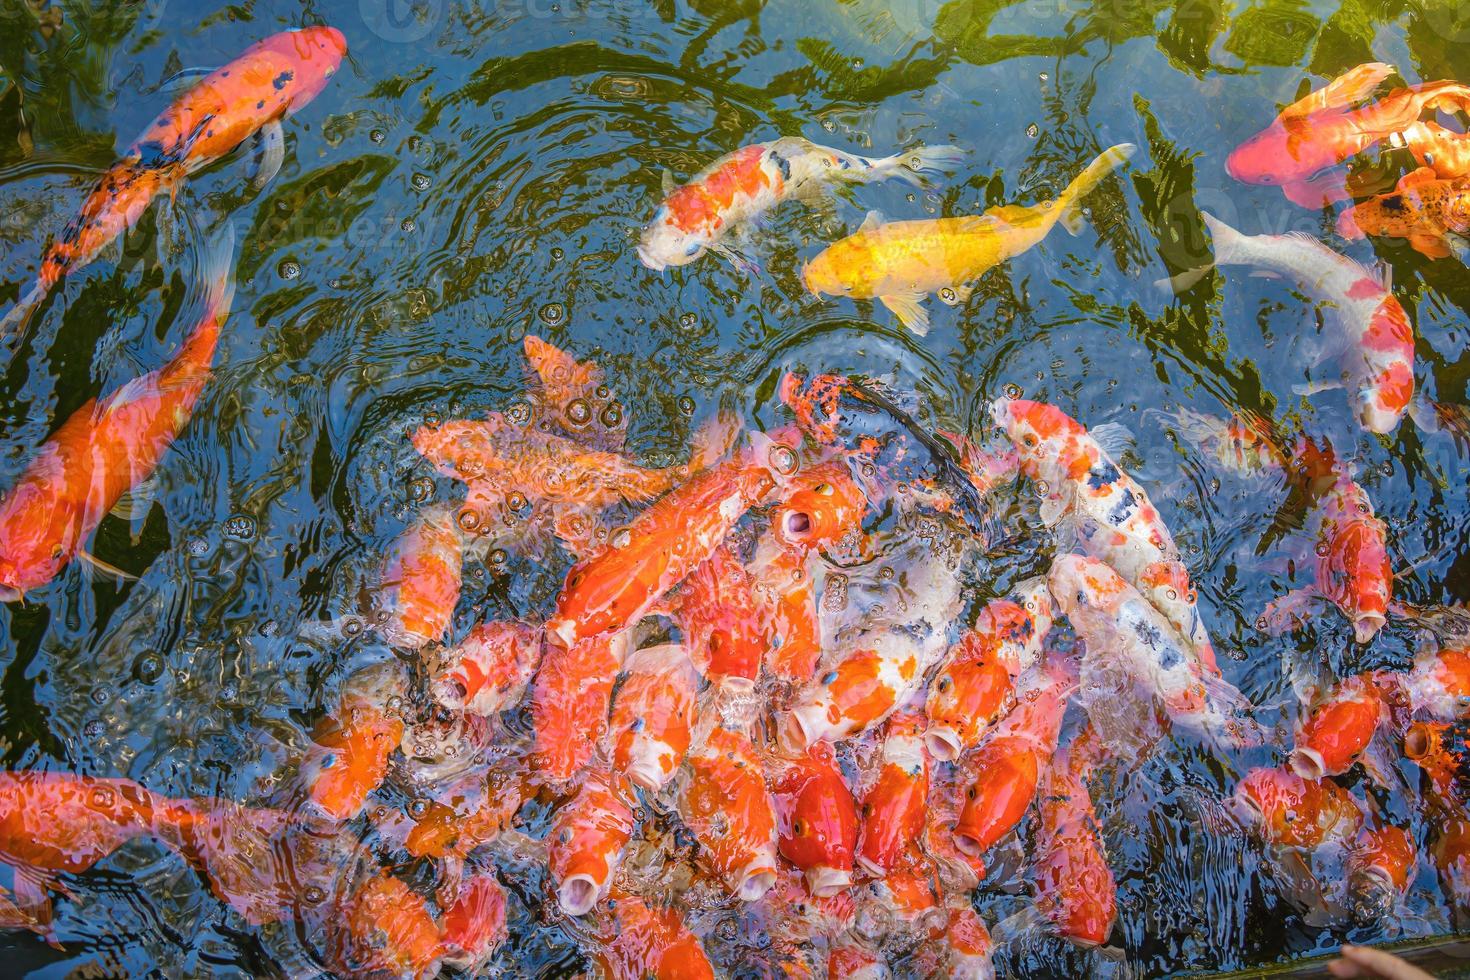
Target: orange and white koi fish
[474, 926]
[106, 448]
[725, 804]
[1442, 750]
[817, 822]
[348, 757]
[1111, 516]
[738, 188]
[489, 670]
[653, 715]
[1366, 322]
[1379, 868]
[1133, 652]
[586, 840]
[1451, 853]
[252, 94]
[901, 262]
[1338, 729]
[851, 958]
[574, 396]
[1324, 128]
[958, 870]
[423, 578]
[963, 951]
[472, 811]
[1352, 566]
[619, 584]
[785, 576]
[894, 796]
[1241, 444]
[638, 940]
[570, 698]
[1289, 811]
[385, 928]
[1439, 684]
[1076, 890]
[1443, 150]
[798, 923]
[1431, 212]
[976, 684]
[1002, 775]
[861, 689]
[723, 622]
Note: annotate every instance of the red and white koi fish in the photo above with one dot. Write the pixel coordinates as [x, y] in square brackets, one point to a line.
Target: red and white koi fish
[586, 840]
[958, 870]
[638, 940]
[424, 577]
[1002, 775]
[865, 684]
[1338, 729]
[620, 584]
[894, 796]
[1111, 516]
[1324, 128]
[817, 822]
[1241, 444]
[1442, 750]
[976, 684]
[1076, 890]
[570, 698]
[1439, 684]
[653, 715]
[489, 670]
[472, 811]
[252, 94]
[723, 622]
[106, 448]
[474, 926]
[1135, 658]
[1289, 811]
[725, 803]
[574, 396]
[851, 958]
[962, 952]
[1352, 566]
[738, 188]
[1366, 322]
[348, 757]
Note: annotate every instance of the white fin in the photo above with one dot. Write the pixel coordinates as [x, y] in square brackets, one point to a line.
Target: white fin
[134, 504]
[103, 566]
[1113, 438]
[870, 221]
[920, 163]
[1183, 282]
[907, 307]
[667, 182]
[1054, 507]
[1315, 387]
[13, 326]
[742, 264]
[270, 153]
[957, 295]
[183, 80]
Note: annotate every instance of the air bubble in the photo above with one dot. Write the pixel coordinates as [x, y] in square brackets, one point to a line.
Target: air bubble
[103, 797]
[100, 696]
[240, 527]
[377, 136]
[420, 490]
[92, 729]
[783, 460]
[552, 314]
[686, 405]
[689, 320]
[407, 225]
[468, 519]
[1012, 390]
[948, 295]
[498, 557]
[418, 808]
[516, 501]
[150, 668]
[289, 269]
[421, 181]
[578, 412]
[519, 413]
[1033, 130]
[612, 416]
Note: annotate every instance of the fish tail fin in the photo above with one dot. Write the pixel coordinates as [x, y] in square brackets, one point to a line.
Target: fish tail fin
[921, 164]
[1107, 161]
[217, 272]
[1227, 241]
[713, 441]
[15, 322]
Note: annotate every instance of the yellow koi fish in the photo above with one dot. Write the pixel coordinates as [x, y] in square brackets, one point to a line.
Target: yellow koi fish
[901, 262]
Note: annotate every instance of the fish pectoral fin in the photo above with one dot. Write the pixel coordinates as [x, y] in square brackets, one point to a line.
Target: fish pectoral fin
[183, 80]
[103, 566]
[741, 262]
[666, 182]
[1430, 246]
[1289, 610]
[1113, 438]
[1309, 388]
[871, 220]
[1183, 282]
[907, 307]
[134, 504]
[957, 295]
[270, 153]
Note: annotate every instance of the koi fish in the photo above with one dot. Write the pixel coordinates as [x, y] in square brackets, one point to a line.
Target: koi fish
[849, 958]
[965, 949]
[1002, 775]
[784, 576]
[474, 926]
[816, 820]
[653, 715]
[1439, 684]
[957, 868]
[862, 688]
[724, 626]
[348, 757]
[1111, 516]
[725, 804]
[826, 509]
[900, 262]
[894, 796]
[797, 923]
[976, 684]
[1379, 868]
[423, 579]
[107, 448]
[639, 940]
[1443, 751]
[1352, 566]
[1075, 887]
[1290, 811]
[570, 698]
[586, 840]
[574, 396]
[269, 81]
[1338, 730]
[1443, 150]
[1431, 212]
[489, 670]
[740, 187]
[1451, 853]
[1133, 650]
[1364, 319]
[473, 811]
[1241, 444]
[619, 584]
[385, 927]
[1323, 129]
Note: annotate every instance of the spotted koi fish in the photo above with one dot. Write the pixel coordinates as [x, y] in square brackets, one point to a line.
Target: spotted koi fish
[737, 189]
[473, 928]
[1290, 811]
[1111, 516]
[489, 670]
[1431, 212]
[894, 796]
[816, 819]
[1442, 750]
[348, 757]
[1339, 727]
[472, 811]
[1444, 151]
[784, 575]
[827, 508]
[269, 81]
[1326, 127]
[724, 622]
[865, 684]
[653, 715]
[725, 804]
[386, 928]
[586, 840]
[1241, 444]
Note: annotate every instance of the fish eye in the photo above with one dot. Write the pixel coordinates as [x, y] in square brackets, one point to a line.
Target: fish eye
[693, 249]
[943, 684]
[798, 828]
[970, 793]
[1082, 597]
[1029, 441]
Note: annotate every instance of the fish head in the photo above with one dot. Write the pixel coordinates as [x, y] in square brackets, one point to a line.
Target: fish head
[824, 512]
[818, 824]
[1276, 156]
[1080, 585]
[1296, 812]
[965, 698]
[1001, 790]
[664, 245]
[1382, 402]
[823, 275]
[475, 924]
[310, 56]
[1047, 439]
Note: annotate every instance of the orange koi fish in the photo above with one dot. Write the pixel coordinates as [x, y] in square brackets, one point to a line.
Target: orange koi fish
[1111, 516]
[350, 748]
[1290, 811]
[574, 396]
[741, 186]
[385, 928]
[1352, 566]
[825, 509]
[724, 625]
[1443, 150]
[1076, 890]
[1324, 128]
[948, 786]
[850, 958]
[570, 699]
[637, 940]
[489, 670]
[474, 926]
[252, 94]
[863, 687]
[240, 851]
[1379, 867]
[1451, 853]
[424, 578]
[894, 797]
[908, 899]
[784, 575]
[1439, 684]
[653, 715]
[586, 840]
[1443, 752]
[1004, 772]
[726, 805]
[976, 684]
[1337, 731]
[472, 811]
[817, 820]
[1431, 212]
[963, 951]
[106, 448]
[619, 584]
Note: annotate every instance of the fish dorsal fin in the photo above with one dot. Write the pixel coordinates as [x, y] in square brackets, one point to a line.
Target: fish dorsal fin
[1113, 438]
[871, 220]
[668, 184]
[1351, 86]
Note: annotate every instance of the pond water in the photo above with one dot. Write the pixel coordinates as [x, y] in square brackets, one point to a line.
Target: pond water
[479, 170]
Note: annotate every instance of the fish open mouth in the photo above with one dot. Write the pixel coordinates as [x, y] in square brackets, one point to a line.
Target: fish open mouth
[577, 894]
[1307, 763]
[758, 878]
[943, 743]
[825, 881]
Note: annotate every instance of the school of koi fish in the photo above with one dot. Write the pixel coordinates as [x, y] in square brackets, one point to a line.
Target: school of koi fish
[775, 686]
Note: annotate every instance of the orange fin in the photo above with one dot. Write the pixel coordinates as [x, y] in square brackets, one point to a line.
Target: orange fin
[1429, 245]
[1352, 86]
